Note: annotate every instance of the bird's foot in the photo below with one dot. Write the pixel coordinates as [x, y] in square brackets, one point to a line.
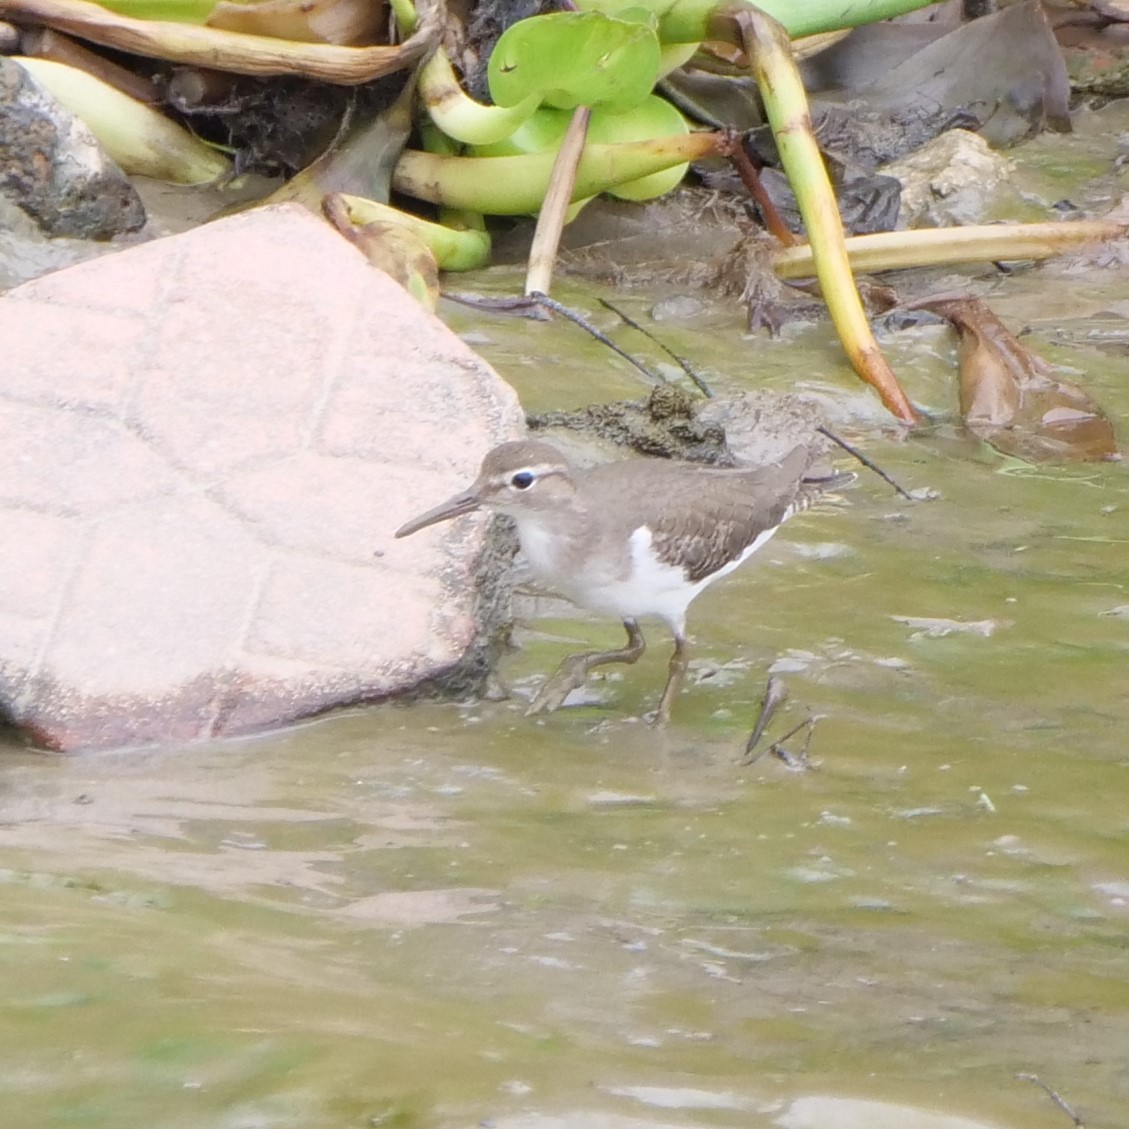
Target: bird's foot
[569, 676]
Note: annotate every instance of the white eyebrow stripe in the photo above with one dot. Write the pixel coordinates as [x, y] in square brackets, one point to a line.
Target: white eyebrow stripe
[538, 470]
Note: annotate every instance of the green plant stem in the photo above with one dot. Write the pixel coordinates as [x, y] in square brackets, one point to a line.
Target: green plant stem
[406, 15]
[460, 116]
[508, 186]
[139, 138]
[690, 21]
[766, 43]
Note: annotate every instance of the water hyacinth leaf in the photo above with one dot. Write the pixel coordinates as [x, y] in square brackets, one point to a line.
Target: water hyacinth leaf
[654, 117]
[575, 58]
[539, 133]
[627, 9]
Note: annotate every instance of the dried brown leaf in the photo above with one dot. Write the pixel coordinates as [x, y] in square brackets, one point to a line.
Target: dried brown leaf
[391, 248]
[1009, 397]
[344, 22]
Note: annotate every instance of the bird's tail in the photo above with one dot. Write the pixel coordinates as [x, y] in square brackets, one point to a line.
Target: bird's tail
[813, 489]
[825, 484]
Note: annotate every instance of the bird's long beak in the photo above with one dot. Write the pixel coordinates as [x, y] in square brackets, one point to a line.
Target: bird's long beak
[466, 502]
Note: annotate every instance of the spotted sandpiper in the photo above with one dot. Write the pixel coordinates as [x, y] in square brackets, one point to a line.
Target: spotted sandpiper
[641, 537]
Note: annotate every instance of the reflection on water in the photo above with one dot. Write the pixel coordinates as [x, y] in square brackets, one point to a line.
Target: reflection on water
[451, 915]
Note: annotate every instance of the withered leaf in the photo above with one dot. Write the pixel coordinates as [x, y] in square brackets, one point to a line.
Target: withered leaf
[1009, 397]
[393, 249]
[349, 22]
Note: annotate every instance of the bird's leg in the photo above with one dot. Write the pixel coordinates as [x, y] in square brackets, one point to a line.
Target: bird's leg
[571, 673]
[679, 662]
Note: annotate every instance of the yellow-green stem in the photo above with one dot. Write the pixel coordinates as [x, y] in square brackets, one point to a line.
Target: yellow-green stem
[988, 243]
[774, 69]
[501, 186]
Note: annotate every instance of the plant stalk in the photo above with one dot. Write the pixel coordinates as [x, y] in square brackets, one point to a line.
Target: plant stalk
[938, 246]
[510, 186]
[767, 45]
[554, 211]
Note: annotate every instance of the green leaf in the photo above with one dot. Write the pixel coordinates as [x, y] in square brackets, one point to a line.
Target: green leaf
[655, 9]
[654, 117]
[542, 131]
[575, 58]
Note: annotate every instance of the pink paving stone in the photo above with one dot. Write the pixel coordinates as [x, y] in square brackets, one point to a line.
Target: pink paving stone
[157, 600]
[32, 593]
[205, 448]
[318, 505]
[347, 623]
[60, 459]
[94, 338]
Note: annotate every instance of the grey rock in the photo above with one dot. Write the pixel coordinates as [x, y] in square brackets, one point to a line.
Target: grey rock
[52, 167]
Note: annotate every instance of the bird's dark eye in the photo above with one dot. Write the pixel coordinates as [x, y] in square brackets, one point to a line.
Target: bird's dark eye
[523, 480]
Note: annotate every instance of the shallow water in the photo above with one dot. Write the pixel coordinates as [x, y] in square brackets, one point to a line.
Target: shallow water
[448, 915]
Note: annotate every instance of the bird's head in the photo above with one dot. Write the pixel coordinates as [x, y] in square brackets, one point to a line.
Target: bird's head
[518, 478]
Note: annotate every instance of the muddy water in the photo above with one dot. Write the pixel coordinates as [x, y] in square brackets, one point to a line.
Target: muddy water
[447, 915]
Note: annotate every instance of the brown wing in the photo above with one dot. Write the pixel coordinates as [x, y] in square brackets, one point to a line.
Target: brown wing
[701, 518]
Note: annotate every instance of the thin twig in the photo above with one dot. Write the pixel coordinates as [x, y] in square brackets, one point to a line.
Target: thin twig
[1055, 1097]
[588, 327]
[521, 306]
[870, 465]
[750, 178]
[801, 762]
[682, 362]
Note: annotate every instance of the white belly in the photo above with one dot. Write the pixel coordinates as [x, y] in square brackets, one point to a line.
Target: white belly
[602, 583]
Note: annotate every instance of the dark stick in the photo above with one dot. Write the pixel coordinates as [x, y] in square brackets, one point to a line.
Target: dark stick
[750, 178]
[578, 319]
[866, 462]
[801, 762]
[683, 363]
[523, 306]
